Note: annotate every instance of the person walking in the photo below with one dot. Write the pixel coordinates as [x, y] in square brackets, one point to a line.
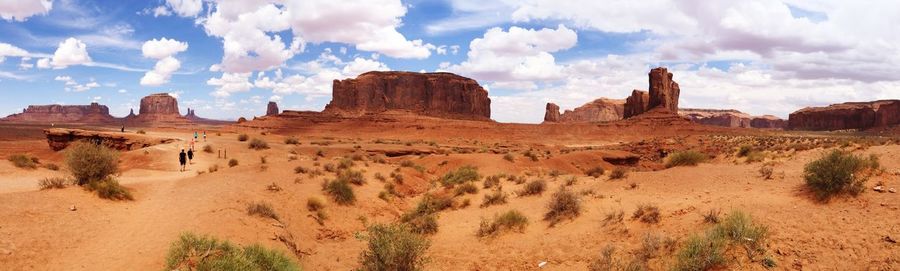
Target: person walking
[181, 159]
[191, 156]
[204, 135]
[195, 135]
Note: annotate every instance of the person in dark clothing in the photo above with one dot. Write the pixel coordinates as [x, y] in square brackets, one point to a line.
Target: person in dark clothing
[190, 156]
[181, 159]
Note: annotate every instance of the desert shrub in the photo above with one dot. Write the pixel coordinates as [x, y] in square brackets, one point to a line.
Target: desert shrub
[233, 162]
[243, 137]
[466, 188]
[261, 209]
[213, 168]
[564, 204]
[460, 175]
[109, 188]
[839, 172]
[51, 166]
[429, 204]
[712, 216]
[613, 217]
[595, 172]
[398, 178]
[739, 228]
[535, 187]
[207, 149]
[744, 150]
[618, 173]
[314, 204]
[701, 253]
[205, 253]
[606, 261]
[423, 224]
[258, 144]
[320, 153]
[516, 179]
[708, 251]
[766, 172]
[647, 213]
[378, 176]
[351, 176]
[755, 156]
[300, 170]
[291, 141]
[509, 157]
[510, 220]
[572, 180]
[141, 132]
[22, 161]
[491, 181]
[52, 183]
[393, 247]
[685, 158]
[340, 192]
[345, 163]
[90, 162]
[531, 155]
[496, 198]
[329, 167]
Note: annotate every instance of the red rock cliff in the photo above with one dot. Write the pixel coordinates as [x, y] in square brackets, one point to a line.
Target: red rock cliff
[93, 113]
[599, 110]
[664, 91]
[854, 115]
[435, 94]
[637, 103]
[272, 109]
[552, 113]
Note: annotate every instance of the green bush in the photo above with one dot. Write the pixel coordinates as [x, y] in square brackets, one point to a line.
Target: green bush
[685, 158]
[839, 172]
[243, 137]
[261, 209]
[340, 192]
[22, 161]
[460, 175]
[109, 188]
[496, 198]
[491, 181]
[535, 187]
[564, 204]
[205, 253]
[393, 247]
[52, 183]
[510, 220]
[708, 251]
[258, 144]
[701, 253]
[90, 162]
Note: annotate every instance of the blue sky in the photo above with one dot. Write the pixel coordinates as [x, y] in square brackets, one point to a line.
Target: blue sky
[227, 59]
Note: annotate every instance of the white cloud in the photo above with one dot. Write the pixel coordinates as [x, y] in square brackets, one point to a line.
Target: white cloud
[123, 91]
[163, 49]
[229, 83]
[72, 85]
[70, 52]
[7, 50]
[20, 10]
[185, 8]
[43, 63]
[115, 36]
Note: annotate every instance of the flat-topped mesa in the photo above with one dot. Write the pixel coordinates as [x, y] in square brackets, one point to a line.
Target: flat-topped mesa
[731, 118]
[664, 91]
[438, 94]
[159, 104]
[637, 103]
[272, 109]
[846, 116]
[768, 122]
[552, 113]
[55, 113]
[599, 110]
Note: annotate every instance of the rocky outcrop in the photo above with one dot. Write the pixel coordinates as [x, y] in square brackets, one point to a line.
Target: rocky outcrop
[60, 138]
[599, 110]
[637, 103]
[552, 113]
[731, 118]
[272, 109]
[768, 122]
[93, 113]
[159, 104]
[853, 115]
[664, 91]
[439, 94]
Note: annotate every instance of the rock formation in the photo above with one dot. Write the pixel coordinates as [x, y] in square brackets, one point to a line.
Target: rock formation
[552, 113]
[853, 115]
[664, 91]
[93, 113]
[768, 122]
[159, 104]
[60, 138]
[731, 118]
[637, 103]
[434, 94]
[272, 109]
[599, 110]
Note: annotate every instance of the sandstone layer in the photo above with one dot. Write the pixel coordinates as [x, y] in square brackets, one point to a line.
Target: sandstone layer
[272, 109]
[637, 103]
[552, 113]
[599, 110]
[731, 118]
[60, 138]
[846, 116]
[93, 113]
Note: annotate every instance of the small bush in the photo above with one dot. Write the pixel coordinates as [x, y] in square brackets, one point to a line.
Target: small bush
[22, 161]
[51, 166]
[89, 162]
[300, 170]
[340, 192]
[233, 162]
[243, 137]
[685, 158]
[535, 187]
[109, 188]
[839, 172]
[613, 217]
[766, 172]
[496, 198]
[53, 183]
[261, 209]
[510, 220]
[141, 132]
[755, 156]
[460, 175]
[213, 168]
[314, 204]
[572, 180]
[712, 216]
[466, 188]
[531, 155]
[647, 213]
[491, 181]
[564, 204]
[618, 173]
[258, 144]
[701, 253]
[509, 157]
[423, 224]
[351, 176]
[291, 141]
[204, 253]
[595, 172]
[393, 247]
[207, 149]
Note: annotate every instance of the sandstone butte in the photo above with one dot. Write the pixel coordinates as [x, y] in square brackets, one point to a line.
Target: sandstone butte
[160, 108]
[272, 109]
[846, 116]
[440, 94]
[599, 110]
[731, 118]
[93, 113]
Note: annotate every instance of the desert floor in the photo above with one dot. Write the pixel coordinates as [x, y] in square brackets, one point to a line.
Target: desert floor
[38, 231]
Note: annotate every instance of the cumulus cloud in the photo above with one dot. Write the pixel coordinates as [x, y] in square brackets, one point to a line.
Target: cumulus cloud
[70, 52]
[229, 83]
[20, 10]
[185, 8]
[7, 50]
[72, 85]
[162, 49]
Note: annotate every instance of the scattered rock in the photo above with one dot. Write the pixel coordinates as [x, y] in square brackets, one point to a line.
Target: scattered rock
[73, 208]
[892, 190]
[879, 189]
[889, 239]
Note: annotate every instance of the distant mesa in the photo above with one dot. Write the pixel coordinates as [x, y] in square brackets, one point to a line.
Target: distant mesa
[731, 118]
[93, 113]
[599, 110]
[272, 109]
[440, 94]
[60, 138]
[846, 116]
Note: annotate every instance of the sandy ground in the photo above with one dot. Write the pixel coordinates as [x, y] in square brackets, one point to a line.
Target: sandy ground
[39, 232]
